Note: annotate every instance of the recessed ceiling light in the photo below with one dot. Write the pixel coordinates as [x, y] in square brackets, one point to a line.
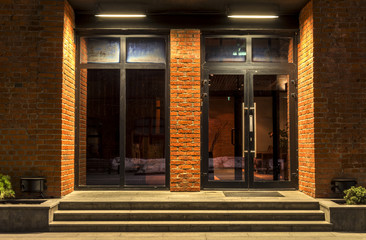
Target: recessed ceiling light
[121, 15]
[252, 16]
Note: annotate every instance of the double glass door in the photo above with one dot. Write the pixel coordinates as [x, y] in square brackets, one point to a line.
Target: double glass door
[245, 130]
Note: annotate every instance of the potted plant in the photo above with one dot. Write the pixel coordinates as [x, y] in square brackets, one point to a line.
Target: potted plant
[6, 191]
[355, 195]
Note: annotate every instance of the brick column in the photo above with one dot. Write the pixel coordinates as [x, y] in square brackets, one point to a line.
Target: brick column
[306, 103]
[185, 110]
[68, 102]
[37, 93]
[332, 93]
[82, 115]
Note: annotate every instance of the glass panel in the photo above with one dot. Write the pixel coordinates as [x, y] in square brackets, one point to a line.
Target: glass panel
[225, 128]
[225, 49]
[100, 50]
[271, 50]
[145, 50]
[145, 127]
[271, 100]
[103, 127]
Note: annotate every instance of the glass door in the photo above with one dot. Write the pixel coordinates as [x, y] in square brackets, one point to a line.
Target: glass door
[246, 131]
[224, 130]
[270, 153]
[249, 131]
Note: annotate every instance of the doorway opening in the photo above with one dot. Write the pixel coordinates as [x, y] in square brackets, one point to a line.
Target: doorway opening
[248, 114]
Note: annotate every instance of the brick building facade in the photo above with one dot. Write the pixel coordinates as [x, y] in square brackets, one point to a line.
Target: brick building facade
[44, 95]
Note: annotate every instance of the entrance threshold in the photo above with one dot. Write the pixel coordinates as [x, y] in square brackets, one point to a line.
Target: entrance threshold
[166, 195]
[118, 188]
[249, 189]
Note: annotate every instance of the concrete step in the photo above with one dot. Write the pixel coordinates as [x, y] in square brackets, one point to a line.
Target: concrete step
[191, 205]
[189, 226]
[188, 215]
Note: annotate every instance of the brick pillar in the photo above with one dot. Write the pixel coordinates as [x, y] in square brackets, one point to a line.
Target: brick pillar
[68, 102]
[37, 93]
[306, 139]
[185, 110]
[82, 115]
[332, 92]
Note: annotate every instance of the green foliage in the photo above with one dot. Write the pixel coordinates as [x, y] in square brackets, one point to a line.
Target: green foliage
[355, 195]
[6, 190]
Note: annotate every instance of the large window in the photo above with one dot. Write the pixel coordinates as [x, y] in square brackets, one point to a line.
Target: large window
[123, 79]
[145, 127]
[225, 49]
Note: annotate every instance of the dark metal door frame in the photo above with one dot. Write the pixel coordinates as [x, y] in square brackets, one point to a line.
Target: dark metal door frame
[205, 128]
[249, 135]
[249, 69]
[292, 182]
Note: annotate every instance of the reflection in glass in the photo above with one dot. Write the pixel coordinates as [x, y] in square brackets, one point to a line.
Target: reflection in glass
[225, 128]
[271, 159]
[145, 125]
[145, 50]
[271, 49]
[225, 49]
[100, 50]
[103, 127]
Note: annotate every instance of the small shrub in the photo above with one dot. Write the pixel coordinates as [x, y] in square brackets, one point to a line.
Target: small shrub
[6, 190]
[355, 195]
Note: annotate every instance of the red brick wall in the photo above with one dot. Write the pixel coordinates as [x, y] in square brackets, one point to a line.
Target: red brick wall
[82, 115]
[333, 143]
[82, 125]
[306, 143]
[68, 103]
[185, 110]
[340, 91]
[33, 89]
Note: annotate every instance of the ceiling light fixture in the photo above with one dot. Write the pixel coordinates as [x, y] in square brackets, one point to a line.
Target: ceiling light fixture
[121, 15]
[253, 16]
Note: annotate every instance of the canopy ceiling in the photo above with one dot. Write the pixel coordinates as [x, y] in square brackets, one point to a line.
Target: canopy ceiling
[161, 7]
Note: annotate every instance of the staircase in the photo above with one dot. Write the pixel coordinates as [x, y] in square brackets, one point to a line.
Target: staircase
[217, 216]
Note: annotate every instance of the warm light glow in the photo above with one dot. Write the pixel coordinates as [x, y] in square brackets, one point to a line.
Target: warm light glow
[252, 16]
[121, 15]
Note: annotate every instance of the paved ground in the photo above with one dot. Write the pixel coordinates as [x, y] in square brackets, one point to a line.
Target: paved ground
[189, 236]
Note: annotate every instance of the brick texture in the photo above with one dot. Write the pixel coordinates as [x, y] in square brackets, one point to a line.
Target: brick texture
[332, 94]
[306, 144]
[36, 92]
[185, 110]
[82, 116]
[68, 103]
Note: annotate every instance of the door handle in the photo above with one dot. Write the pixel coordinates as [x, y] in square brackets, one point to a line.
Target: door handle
[232, 136]
[243, 127]
[253, 128]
